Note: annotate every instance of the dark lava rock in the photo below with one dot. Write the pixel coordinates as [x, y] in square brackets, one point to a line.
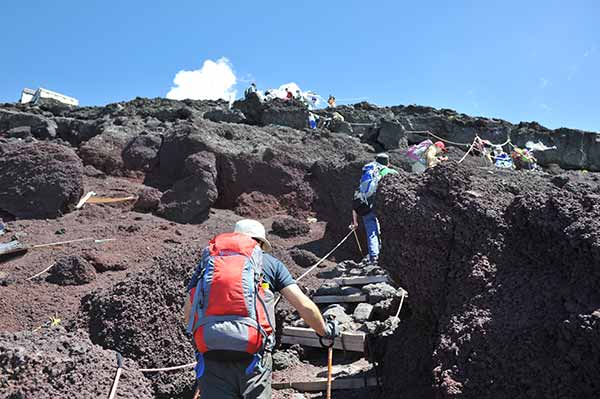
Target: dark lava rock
[142, 318]
[277, 111]
[55, 364]
[362, 312]
[503, 286]
[106, 261]
[190, 198]
[285, 359]
[303, 257]
[286, 227]
[379, 291]
[225, 115]
[148, 199]
[340, 315]
[386, 308]
[392, 135]
[6, 279]
[90, 171]
[39, 126]
[39, 180]
[329, 288]
[21, 132]
[142, 152]
[75, 131]
[71, 270]
[105, 150]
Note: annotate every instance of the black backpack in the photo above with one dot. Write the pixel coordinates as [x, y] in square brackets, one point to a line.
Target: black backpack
[362, 205]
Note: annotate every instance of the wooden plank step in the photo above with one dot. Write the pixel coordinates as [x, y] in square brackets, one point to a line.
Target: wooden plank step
[361, 280]
[349, 341]
[320, 384]
[340, 298]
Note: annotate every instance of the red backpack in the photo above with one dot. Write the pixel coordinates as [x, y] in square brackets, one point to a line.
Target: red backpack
[229, 305]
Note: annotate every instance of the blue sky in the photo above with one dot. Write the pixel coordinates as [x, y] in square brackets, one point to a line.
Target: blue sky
[517, 60]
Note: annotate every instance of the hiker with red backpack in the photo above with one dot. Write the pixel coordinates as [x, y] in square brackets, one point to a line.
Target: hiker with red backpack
[363, 204]
[231, 315]
[426, 154]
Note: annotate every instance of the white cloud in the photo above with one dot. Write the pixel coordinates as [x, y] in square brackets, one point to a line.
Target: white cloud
[543, 83]
[545, 107]
[213, 81]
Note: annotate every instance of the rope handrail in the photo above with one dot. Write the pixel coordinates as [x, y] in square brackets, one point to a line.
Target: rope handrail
[453, 142]
[172, 368]
[310, 269]
[469, 151]
[324, 257]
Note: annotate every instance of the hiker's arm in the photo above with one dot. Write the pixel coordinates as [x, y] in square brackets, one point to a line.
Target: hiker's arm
[430, 157]
[354, 219]
[307, 308]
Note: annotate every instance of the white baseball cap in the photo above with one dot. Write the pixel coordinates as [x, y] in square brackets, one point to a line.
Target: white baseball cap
[254, 229]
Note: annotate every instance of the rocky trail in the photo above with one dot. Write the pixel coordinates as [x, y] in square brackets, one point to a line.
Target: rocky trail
[497, 270]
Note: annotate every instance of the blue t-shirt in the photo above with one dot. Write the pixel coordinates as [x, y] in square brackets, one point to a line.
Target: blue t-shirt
[274, 272]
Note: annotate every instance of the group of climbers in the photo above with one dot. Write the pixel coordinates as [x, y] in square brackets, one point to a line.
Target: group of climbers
[519, 158]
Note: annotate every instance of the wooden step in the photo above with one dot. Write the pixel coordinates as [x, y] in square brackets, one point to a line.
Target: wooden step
[361, 280]
[340, 298]
[320, 384]
[349, 341]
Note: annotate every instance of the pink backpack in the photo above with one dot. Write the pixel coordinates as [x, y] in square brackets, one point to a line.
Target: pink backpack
[415, 152]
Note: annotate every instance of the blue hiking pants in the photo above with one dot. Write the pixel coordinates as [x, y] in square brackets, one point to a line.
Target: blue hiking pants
[372, 229]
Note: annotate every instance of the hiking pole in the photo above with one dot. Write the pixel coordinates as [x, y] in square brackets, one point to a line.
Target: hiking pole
[329, 369]
[357, 241]
[113, 390]
[329, 363]
[197, 390]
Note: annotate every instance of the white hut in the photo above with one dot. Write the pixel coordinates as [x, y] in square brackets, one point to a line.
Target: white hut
[34, 96]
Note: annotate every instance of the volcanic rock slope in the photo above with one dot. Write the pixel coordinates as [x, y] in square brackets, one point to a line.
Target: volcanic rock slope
[503, 274]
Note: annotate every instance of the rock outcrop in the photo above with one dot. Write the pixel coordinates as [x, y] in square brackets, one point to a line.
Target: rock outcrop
[130, 316]
[72, 270]
[38, 179]
[191, 197]
[290, 113]
[503, 284]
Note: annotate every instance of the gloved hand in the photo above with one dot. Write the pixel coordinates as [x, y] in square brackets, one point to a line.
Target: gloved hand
[332, 329]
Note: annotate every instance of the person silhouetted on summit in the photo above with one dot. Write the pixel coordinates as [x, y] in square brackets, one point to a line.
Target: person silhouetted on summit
[230, 313]
[250, 90]
[363, 203]
[331, 101]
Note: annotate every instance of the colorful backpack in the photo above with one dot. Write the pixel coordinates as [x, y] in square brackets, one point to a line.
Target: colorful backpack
[229, 309]
[415, 152]
[363, 197]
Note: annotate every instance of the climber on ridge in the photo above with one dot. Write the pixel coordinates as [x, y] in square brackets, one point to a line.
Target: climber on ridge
[363, 203]
[426, 154]
[331, 101]
[231, 314]
[250, 90]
